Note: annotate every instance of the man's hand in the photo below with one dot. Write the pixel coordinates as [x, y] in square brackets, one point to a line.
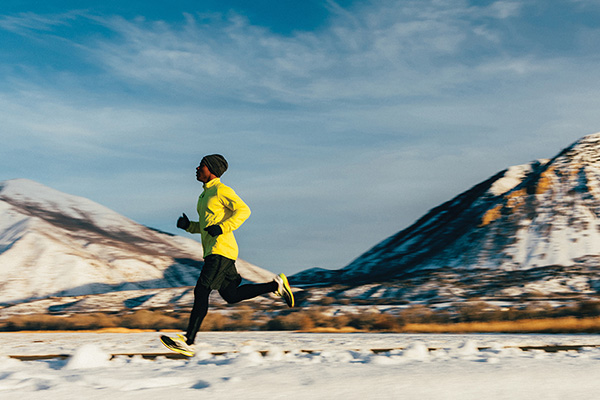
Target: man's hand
[214, 230]
[183, 222]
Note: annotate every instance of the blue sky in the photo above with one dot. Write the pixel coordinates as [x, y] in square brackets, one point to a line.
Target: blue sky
[343, 121]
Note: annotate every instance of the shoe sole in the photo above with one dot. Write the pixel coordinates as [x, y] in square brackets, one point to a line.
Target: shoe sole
[172, 345]
[287, 294]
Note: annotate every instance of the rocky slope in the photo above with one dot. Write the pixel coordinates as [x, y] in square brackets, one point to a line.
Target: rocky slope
[532, 228]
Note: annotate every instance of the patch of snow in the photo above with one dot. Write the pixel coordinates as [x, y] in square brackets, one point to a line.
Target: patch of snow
[88, 356]
[317, 366]
[512, 177]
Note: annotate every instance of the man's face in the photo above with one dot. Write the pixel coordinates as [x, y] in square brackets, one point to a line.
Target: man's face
[202, 173]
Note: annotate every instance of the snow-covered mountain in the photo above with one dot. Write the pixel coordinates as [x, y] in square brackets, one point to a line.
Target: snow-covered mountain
[55, 244]
[532, 227]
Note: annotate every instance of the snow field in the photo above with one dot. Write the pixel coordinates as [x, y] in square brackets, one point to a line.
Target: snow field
[253, 365]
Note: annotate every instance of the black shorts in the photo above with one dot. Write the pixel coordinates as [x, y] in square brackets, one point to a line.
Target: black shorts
[218, 272]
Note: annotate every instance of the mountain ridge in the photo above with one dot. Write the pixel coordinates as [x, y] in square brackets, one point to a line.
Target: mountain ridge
[55, 244]
[543, 214]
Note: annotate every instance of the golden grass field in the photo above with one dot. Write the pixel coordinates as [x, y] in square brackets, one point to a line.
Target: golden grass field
[297, 321]
[546, 325]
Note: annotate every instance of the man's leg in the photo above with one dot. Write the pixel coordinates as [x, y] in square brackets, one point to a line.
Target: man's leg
[184, 345]
[233, 293]
[215, 272]
[199, 311]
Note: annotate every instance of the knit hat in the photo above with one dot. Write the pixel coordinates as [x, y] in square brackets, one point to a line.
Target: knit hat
[215, 163]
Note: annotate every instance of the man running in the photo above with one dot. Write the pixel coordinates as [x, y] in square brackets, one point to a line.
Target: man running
[221, 211]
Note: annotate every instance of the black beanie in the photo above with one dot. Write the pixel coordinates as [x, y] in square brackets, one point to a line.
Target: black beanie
[215, 163]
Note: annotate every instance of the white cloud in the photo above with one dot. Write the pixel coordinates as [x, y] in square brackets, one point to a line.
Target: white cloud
[26, 22]
[387, 49]
[371, 53]
[505, 9]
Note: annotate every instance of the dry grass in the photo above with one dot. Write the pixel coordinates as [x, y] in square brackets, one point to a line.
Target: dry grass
[141, 320]
[346, 329]
[547, 325]
[583, 317]
[491, 215]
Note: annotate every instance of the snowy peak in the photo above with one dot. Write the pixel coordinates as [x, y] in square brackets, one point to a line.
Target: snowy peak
[544, 214]
[551, 218]
[583, 153]
[56, 244]
[33, 199]
[574, 170]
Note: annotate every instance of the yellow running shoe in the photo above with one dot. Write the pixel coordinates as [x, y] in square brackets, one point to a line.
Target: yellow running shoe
[178, 344]
[284, 290]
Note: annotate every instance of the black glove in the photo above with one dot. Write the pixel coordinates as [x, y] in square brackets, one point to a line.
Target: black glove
[183, 222]
[214, 230]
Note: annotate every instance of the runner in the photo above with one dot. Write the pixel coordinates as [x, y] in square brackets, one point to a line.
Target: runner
[221, 211]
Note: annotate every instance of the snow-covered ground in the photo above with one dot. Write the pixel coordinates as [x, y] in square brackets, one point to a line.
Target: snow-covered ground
[260, 365]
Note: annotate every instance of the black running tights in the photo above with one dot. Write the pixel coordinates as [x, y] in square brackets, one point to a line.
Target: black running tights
[231, 294]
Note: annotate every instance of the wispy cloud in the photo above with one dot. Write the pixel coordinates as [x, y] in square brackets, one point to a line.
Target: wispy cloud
[375, 53]
[372, 53]
[27, 22]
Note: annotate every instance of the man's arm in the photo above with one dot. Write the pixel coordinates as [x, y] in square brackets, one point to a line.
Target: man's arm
[194, 227]
[239, 210]
[189, 226]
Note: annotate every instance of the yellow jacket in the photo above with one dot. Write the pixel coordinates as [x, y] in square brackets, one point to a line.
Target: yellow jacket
[219, 205]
